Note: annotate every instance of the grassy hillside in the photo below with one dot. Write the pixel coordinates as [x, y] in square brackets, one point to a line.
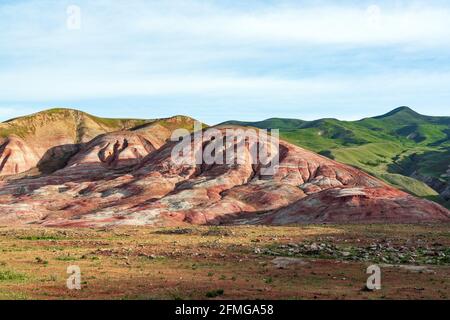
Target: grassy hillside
[406, 149]
[278, 123]
[80, 126]
[72, 124]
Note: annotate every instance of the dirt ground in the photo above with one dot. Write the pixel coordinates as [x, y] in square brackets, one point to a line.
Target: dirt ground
[242, 262]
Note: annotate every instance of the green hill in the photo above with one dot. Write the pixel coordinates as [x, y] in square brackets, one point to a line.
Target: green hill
[404, 148]
[278, 123]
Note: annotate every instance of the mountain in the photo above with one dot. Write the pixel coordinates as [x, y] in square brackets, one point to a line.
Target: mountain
[403, 148]
[46, 140]
[278, 123]
[128, 178]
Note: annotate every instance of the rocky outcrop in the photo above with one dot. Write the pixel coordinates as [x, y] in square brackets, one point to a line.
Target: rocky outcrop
[114, 150]
[125, 178]
[355, 205]
[16, 156]
[442, 186]
[446, 194]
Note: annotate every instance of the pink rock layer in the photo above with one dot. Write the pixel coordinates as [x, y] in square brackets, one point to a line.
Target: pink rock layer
[125, 178]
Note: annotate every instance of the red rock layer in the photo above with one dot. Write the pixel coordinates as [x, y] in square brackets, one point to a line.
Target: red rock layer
[16, 156]
[124, 178]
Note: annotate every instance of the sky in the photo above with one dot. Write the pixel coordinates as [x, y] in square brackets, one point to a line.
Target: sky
[223, 60]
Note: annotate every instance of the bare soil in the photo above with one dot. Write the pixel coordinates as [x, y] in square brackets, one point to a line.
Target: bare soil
[325, 262]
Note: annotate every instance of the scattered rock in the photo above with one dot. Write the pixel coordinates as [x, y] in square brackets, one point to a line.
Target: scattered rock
[282, 262]
[380, 252]
[175, 231]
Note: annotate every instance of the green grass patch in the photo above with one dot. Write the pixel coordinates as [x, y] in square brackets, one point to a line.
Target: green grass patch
[66, 258]
[8, 275]
[215, 293]
[40, 238]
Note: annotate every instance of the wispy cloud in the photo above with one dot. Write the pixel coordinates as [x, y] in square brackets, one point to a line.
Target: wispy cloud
[295, 25]
[289, 53]
[31, 85]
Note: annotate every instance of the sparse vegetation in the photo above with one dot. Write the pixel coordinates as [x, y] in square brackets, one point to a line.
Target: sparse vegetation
[7, 275]
[329, 262]
[66, 258]
[215, 293]
[39, 260]
[40, 237]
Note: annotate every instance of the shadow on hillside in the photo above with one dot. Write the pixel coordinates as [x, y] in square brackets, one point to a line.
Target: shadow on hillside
[240, 218]
[434, 162]
[57, 158]
[52, 169]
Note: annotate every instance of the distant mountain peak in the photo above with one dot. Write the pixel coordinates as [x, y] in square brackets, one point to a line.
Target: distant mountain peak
[403, 108]
[399, 110]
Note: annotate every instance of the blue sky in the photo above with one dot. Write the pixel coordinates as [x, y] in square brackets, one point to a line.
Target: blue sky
[221, 60]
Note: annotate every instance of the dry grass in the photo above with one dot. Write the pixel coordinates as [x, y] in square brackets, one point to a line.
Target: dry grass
[199, 262]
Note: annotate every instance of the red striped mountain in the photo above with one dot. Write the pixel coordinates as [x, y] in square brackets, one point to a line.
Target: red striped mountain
[129, 178]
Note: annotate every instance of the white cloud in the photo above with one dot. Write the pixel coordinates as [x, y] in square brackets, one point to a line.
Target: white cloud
[42, 85]
[207, 49]
[144, 24]
[31, 85]
[313, 25]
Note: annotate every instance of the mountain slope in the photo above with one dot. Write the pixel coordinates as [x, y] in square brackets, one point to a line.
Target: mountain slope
[66, 124]
[134, 182]
[277, 123]
[404, 148]
[46, 140]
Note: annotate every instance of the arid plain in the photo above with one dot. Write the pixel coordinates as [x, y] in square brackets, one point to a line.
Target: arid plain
[245, 262]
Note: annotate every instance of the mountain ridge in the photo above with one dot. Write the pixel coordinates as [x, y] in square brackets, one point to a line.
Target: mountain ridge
[409, 150]
[126, 178]
[403, 109]
[60, 132]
